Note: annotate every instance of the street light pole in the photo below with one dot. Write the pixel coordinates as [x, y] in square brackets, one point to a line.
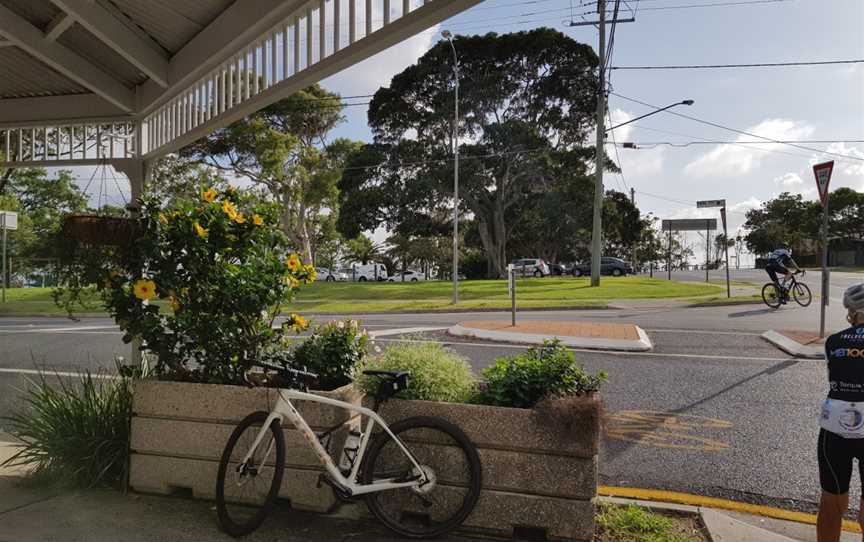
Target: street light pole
[446, 34]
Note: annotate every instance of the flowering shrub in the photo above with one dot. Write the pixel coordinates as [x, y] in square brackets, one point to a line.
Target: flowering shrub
[201, 285]
[331, 352]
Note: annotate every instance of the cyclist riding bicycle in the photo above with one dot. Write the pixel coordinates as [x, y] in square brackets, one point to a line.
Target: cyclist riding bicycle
[779, 262]
[841, 437]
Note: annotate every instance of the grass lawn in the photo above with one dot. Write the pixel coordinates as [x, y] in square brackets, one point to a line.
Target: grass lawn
[356, 297]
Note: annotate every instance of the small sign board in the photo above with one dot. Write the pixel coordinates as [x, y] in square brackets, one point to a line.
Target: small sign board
[823, 177]
[711, 203]
[690, 224]
[8, 220]
[723, 216]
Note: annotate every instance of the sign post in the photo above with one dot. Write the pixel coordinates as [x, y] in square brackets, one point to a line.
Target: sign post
[823, 177]
[511, 289]
[722, 204]
[8, 221]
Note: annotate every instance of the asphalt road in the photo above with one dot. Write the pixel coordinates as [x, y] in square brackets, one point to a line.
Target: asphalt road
[712, 410]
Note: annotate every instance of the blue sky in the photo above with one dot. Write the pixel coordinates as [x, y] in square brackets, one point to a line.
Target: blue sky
[811, 103]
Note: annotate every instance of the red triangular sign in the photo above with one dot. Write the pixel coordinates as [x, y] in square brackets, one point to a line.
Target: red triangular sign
[823, 177]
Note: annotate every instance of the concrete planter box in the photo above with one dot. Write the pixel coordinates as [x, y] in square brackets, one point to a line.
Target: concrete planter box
[179, 431]
[539, 471]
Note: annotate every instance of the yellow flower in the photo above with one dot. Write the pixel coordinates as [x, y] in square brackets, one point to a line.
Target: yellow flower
[144, 289]
[163, 219]
[229, 209]
[311, 273]
[298, 323]
[292, 282]
[209, 195]
[240, 219]
[173, 301]
[202, 232]
[257, 220]
[293, 262]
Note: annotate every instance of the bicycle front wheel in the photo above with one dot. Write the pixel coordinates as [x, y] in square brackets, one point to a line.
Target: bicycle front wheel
[449, 460]
[801, 293]
[246, 490]
[771, 295]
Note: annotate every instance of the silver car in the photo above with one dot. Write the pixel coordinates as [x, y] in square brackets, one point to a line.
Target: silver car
[531, 267]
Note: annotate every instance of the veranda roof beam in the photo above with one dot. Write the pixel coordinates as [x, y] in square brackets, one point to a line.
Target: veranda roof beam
[140, 52]
[72, 65]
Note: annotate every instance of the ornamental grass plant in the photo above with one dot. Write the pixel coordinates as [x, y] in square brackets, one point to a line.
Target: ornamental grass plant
[73, 431]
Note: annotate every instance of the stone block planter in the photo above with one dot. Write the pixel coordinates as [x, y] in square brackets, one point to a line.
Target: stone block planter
[539, 470]
[179, 431]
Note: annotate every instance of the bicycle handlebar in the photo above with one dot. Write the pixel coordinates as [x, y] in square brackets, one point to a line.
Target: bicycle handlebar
[280, 369]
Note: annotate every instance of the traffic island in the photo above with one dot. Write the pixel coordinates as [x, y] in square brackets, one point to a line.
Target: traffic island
[801, 344]
[591, 335]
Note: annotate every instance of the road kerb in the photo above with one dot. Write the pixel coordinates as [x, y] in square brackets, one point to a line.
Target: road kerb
[641, 344]
[717, 503]
[793, 347]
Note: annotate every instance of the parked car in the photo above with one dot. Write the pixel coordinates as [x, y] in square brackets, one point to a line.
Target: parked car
[367, 272]
[325, 274]
[409, 275]
[558, 269]
[531, 266]
[608, 266]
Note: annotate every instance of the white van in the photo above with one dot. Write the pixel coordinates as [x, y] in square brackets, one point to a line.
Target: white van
[367, 272]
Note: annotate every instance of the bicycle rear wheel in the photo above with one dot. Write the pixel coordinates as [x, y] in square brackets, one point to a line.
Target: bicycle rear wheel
[451, 462]
[771, 295]
[246, 492]
[801, 293]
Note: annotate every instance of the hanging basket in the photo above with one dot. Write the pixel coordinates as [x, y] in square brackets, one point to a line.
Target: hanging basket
[101, 230]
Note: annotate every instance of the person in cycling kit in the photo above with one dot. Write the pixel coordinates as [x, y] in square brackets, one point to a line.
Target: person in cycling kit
[780, 262]
[841, 434]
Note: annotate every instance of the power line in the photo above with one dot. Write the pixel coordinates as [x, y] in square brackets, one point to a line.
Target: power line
[759, 65]
[722, 127]
[707, 142]
[714, 5]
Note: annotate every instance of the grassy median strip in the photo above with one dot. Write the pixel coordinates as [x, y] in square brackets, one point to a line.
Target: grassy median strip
[359, 297]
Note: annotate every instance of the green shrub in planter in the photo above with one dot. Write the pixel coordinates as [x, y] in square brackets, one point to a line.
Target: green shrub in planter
[522, 381]
[331, 352]
[437, 374]
[74, 431]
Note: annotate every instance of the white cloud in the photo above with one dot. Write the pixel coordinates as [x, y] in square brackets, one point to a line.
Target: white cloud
[634, 162]
[732, 160]
[789, 179]
[377, 71]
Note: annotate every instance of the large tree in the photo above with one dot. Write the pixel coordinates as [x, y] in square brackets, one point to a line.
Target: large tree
[527, 104]
[284, 147]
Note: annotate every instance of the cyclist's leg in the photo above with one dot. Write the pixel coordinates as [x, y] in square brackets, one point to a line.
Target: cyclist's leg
[835, 472]
[772, 273]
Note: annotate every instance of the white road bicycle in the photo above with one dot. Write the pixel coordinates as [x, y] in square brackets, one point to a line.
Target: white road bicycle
[420, 476]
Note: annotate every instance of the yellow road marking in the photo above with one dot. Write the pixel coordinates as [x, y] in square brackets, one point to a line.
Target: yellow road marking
[713, 502]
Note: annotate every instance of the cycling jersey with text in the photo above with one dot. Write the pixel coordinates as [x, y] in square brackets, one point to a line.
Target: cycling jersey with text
[843, 410]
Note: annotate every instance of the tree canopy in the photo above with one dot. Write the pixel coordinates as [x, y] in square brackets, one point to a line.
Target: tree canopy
[527, 104]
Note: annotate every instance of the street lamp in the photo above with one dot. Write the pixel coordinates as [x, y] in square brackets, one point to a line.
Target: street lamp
[447, 35]
[684, 102]
[597, 229]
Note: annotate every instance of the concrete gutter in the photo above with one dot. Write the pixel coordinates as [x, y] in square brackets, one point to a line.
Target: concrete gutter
[642, 344]
[793, 347]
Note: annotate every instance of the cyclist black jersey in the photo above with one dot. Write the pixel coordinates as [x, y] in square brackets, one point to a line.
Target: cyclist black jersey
[845, 354]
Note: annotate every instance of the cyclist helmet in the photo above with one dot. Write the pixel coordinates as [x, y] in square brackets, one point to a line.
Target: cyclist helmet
[853, 298]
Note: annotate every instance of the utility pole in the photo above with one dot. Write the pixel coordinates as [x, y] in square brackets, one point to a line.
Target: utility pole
[597, 226]
[446, 34]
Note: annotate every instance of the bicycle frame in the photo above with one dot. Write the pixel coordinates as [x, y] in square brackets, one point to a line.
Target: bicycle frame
[285, 409]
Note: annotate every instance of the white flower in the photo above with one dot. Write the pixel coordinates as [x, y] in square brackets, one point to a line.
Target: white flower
[340, 324]
[377, 350]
